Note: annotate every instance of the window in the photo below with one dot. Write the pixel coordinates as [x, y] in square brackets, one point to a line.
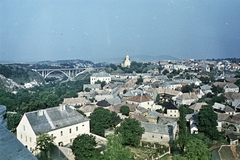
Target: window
[70, 131]
[30, 139]
[83, 125]
[26, 138]
[23, 127]
[21, 136]
[152, 136]
[70, 140]
[61, 133]
[77, 128]
[161, 137]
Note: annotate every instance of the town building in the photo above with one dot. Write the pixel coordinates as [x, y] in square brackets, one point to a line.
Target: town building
[102, 76]
[62, 122]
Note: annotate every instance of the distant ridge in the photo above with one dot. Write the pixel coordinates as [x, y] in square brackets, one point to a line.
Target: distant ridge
[141, 58]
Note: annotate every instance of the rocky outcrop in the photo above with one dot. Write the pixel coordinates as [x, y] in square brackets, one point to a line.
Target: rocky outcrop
[9, 85]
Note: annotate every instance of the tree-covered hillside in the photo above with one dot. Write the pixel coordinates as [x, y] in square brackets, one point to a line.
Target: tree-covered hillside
[19, 74]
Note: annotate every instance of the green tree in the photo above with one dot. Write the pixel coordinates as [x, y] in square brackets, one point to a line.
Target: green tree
[81, 112]
[237, 83]
[207, 122]
[45, 143]
[165, 72]
[179, 157]
[183, 134]
[130, 131]
[101, 119]
[197, 150]
[139, 80]
[115, 150]
[113, 66]
[124, 110]
[83, 147]
[103, 83]
[158, 98]
[187, 89]
[13, 120]
[217, 89]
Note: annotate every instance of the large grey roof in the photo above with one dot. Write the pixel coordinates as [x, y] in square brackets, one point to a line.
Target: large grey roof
[11, 148]
[54, 118]
[100, 74]
[155, 128]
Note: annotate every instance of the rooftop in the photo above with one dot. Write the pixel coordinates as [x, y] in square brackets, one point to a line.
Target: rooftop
[11, 148]
[54, 118]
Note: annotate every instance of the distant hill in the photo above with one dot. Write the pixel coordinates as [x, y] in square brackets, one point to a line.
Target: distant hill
[141, 58]
[13, 76]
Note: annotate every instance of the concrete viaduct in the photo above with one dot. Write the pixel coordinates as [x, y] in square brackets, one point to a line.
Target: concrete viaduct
[71, 73]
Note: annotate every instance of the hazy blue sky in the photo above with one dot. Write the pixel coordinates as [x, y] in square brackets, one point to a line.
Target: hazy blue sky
[36, 30]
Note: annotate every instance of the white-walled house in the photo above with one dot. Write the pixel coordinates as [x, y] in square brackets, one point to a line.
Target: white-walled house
[61, 122]
[172, 110]
[231, 87]
[102, 76]
[142, 100]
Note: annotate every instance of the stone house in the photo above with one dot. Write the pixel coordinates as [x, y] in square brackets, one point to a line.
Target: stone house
[61, 122]
[155, 133]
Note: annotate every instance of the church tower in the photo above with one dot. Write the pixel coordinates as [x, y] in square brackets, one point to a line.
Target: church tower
[126, 62]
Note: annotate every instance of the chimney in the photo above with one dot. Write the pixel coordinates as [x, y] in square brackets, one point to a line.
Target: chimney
[40, 112]
[62, 107]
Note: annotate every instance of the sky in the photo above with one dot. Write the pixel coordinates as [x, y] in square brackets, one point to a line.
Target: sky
[97, 30]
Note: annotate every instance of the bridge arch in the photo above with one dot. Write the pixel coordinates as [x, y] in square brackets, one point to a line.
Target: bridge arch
[56, 71]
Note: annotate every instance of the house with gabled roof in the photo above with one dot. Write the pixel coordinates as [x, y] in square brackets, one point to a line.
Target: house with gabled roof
[228, 87]
[92, 86]
[139, 117]
[75, 101]
[143, 100]
[88, 108]
[197, 106]
[187, 98]
[231, 87]
[156, 133]
[62, 122]
[172, 110]
[103, 103]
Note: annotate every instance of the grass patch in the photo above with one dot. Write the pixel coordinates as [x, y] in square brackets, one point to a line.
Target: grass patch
[142, 153]
[166, 157]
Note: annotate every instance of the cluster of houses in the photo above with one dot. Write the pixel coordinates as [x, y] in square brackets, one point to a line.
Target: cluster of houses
[159, 121]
